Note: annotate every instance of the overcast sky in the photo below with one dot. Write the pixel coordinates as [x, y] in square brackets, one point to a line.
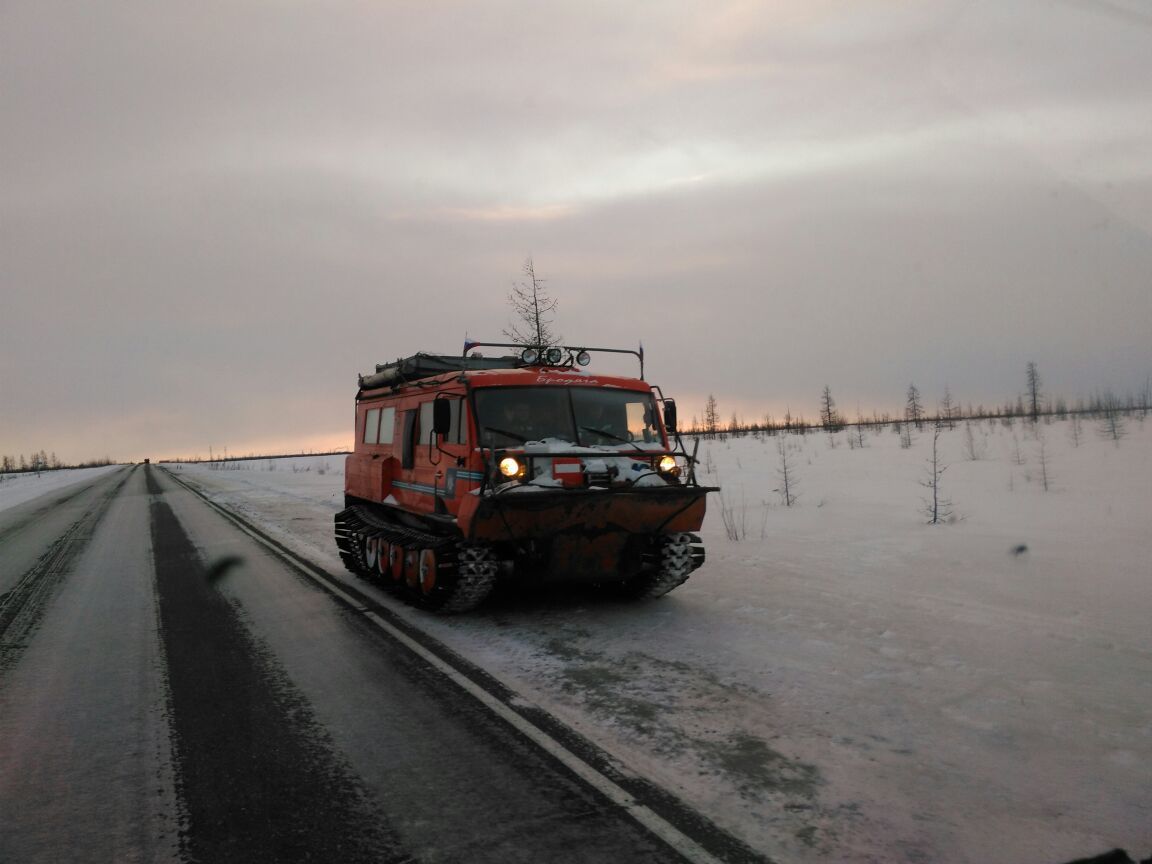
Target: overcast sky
[214, 215]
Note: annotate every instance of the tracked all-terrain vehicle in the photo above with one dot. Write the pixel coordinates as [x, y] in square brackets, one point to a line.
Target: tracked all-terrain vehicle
[469, 470]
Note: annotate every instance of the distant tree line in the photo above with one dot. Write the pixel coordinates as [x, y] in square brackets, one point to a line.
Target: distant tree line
[225, 458]
[41, 461]
[1033, 405]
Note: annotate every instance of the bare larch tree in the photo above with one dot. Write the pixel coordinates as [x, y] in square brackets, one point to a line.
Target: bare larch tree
[947, 408]
[1044, 458]
[937, 508]
[913, 408]
[1110, 417]
[1033, 391]
[534, 310]
[829, 419]
[787, 475]
[711, 418]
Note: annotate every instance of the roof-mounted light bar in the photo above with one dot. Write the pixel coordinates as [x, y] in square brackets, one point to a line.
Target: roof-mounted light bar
[556, 355]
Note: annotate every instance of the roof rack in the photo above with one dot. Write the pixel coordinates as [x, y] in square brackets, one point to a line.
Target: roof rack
[422, 365]
[408, 369]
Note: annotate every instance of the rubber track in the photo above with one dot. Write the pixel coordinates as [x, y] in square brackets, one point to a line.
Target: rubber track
[475, 574]
[475, 577]
[679, 555]
[357, 520]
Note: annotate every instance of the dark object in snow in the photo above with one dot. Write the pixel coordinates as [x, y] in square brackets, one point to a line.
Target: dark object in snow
[1116, 856]
[1019, 550]
[218, 569]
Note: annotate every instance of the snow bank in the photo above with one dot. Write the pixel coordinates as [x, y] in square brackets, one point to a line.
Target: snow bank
[843, 681]
[18, 488]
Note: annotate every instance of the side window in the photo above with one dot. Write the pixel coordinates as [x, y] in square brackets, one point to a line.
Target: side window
[387, 425]
[408, 448]
[455, 431]
[456, 434]
[371, 425]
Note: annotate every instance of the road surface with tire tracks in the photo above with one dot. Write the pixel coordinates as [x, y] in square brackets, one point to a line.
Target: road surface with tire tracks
[176, 687]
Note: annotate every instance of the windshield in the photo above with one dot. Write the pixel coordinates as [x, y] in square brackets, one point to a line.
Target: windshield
[508, 417]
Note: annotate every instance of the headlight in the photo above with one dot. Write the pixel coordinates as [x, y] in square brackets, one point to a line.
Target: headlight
[553, 356]
[667, 465]
[510, 467]
[529, 356]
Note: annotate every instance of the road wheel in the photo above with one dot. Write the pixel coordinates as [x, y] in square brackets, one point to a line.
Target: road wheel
[396, 561]
[411, 568]
[371, 553]
[384, 559]
[428, 571]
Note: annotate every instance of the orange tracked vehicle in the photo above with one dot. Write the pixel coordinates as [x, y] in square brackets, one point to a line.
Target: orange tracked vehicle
[471, 470]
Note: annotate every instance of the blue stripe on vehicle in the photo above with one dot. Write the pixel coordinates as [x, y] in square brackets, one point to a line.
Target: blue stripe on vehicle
[448, 490]
[415, 487]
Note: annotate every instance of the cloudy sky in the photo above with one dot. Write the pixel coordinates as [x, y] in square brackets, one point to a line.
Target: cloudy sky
[213, 215]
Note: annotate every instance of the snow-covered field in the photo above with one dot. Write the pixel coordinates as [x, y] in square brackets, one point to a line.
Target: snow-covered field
[18, 488]
[844, 682]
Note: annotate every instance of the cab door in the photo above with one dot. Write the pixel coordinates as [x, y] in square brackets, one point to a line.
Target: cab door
[438, 460]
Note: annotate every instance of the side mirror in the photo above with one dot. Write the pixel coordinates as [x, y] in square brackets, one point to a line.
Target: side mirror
[441, 417]
[669, 415]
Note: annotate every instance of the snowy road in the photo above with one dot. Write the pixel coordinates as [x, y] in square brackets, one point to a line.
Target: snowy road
[843, 682]
[171, 689]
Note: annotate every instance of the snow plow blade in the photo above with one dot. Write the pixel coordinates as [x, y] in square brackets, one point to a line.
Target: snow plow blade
[538, 513]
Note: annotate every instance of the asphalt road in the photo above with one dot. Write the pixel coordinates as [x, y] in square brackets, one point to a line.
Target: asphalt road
[173, 690]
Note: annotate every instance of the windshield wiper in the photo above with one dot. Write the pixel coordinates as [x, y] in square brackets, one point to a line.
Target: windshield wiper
[514, 435]
[611, 435]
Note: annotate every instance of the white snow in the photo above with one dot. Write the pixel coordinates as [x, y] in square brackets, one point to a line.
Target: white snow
[18, 488]
[845, 682]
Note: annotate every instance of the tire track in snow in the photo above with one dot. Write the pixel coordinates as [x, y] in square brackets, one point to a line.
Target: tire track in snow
[22, 608]
[53, 502]
[257, 777]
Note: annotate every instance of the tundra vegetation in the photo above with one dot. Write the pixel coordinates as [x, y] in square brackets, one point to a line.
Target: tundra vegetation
[1025, 418]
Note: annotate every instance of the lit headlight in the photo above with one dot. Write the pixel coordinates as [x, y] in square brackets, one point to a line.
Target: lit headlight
[510, 467]
[667, 465]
